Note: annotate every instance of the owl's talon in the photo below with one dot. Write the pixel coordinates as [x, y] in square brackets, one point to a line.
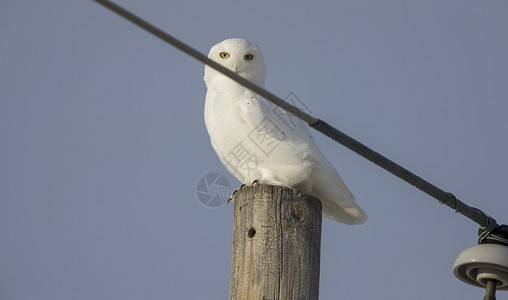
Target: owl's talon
[242, 187]
[232, 196]
[255, 183]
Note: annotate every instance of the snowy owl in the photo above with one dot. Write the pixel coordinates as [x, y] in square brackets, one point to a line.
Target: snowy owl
[258, 141]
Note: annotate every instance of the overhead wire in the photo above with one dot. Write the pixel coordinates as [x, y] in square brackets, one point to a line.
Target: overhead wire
[487, 223]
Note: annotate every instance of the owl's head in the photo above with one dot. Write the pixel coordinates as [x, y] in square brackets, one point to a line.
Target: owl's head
[241, 57]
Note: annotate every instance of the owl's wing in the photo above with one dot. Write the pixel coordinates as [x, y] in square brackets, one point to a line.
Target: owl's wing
[297, 146]
[272, 121]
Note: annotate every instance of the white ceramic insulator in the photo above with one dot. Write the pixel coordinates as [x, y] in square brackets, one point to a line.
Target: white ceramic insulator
[478, 264]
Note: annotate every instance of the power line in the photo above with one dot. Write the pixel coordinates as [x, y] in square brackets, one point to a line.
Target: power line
[204, 59]
[487, 223]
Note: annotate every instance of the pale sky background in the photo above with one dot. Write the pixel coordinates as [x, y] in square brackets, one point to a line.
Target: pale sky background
[103, 141]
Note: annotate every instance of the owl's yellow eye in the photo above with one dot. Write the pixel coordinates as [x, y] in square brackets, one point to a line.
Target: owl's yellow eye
[248, 56]
[224, 54]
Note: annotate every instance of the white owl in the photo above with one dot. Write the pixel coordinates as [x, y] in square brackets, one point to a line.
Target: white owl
[257, 141]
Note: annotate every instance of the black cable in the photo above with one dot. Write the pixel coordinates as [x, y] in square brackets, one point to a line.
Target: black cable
[204, 59]
[446, 198]
[487, 223]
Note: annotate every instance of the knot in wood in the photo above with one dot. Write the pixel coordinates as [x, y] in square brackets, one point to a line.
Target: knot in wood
[298, 211]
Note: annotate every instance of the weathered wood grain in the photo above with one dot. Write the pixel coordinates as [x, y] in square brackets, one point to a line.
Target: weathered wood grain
[276, 244]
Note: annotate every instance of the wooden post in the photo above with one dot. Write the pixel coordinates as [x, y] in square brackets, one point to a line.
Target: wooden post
[276, 244]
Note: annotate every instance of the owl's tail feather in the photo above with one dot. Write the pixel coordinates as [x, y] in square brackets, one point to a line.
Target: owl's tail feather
[337, 201]
[347, 215]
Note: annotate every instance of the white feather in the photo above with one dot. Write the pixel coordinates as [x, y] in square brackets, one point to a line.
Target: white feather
[256, 140]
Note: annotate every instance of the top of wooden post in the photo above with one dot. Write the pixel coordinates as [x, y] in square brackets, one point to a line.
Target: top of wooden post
[276, 244]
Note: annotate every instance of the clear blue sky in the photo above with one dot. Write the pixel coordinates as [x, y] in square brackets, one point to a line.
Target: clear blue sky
[103, 141]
